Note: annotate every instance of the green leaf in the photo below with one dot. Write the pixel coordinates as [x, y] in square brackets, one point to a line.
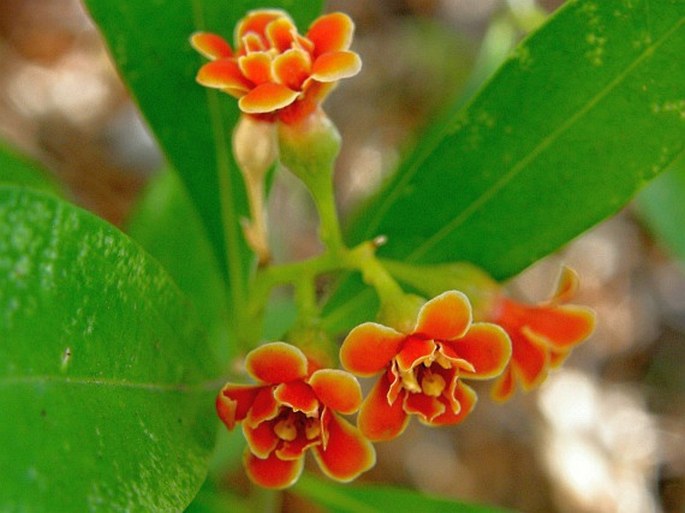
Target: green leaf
[149, 43]
[106, 379]
[574, 123]
[167, 225]
[662, 208]
[584, 113]
[16, 169]
[379, 499]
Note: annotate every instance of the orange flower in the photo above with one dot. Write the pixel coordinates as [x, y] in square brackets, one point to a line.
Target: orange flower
[542, 335]
[291, 410]
[275, 71]
[421, 370]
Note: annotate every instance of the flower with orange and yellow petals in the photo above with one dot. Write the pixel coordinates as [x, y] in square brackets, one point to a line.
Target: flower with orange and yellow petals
[542, 335]
[274, 71]
[292, 410]
[422, 370]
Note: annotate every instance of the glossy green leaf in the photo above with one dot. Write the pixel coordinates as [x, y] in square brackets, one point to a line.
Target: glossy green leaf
[662, 206]
[16, 169]
[106, 378]
[380, 499]
[149, 43]
[167, 225]
[584, 113]
[574, 123]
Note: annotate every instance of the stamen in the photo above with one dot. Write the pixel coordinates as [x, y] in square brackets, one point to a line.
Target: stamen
[286, 429]
[312, 429]
[433, 384]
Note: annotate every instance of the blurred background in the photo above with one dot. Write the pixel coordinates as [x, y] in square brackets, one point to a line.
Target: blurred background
[605, 434]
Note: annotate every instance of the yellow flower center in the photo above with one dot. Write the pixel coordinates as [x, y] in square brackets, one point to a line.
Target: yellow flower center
[312, 429]
[432, 384]
[286, 429]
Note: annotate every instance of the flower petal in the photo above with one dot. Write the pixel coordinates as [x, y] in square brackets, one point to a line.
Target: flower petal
[281, 34]
[299, 396]
[337, 389]
[445, 317]
[331, 32]
[466, 397]
[291, 68]
[296, 448]
[378, 420]
[561, 326]
[486, 347]
[529, 360]
[503, 388]
[234, 401]
[211, 46]
[257, 20]
[264, 407]
[272, 472]
[266, 98]
[256, 67]
[224, 74]
[261, 438]
[334, 66]
[425, 406]
[276, 362]
[415, 351]
[347, 453]
[369, 348]
[567, 286]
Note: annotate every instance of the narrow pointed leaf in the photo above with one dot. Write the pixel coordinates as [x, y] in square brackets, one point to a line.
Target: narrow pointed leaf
[106, 377]
[583, 114]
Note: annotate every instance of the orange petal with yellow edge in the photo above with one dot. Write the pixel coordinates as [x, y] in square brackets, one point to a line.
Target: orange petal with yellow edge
[503, 388]
[223, 74]
[256, 67]
[264, 407]
[347, 453]
[298, 396]
[211, 46]
[369, 348]
[414, 352]
[291, 68]
[378, 420]
[567, 286]
[529, 360]
[276, 362]
[266, 98]
[337, 389]
[234, 401]
[486, 347]
[466, 397]
[261, 439]
[330, 33]
[257, 20]
[296, 448]
[445, 317]
[426, 407]
[272, 472]
[333, 66]
[281, 34]
[561, 326]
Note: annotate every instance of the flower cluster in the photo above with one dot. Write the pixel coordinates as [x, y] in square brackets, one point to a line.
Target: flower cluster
[274, 71]
[427, 354]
